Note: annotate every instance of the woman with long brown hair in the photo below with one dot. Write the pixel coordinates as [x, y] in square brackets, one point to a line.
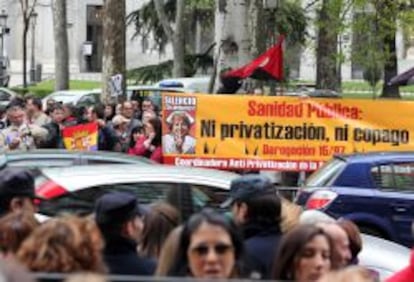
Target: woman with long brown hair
[66, 244]
[304, 255]
[158, 223]
[15, 227]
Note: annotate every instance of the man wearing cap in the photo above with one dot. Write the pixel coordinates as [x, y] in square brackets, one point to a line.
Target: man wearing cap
[257, 209]
[16, 191]
[119, 219]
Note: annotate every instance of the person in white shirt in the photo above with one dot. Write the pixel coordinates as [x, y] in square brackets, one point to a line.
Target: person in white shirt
[20, 135]
[179, 140]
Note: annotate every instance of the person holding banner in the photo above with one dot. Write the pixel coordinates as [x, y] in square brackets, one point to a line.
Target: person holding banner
[149, 145]
[179, 141]
[107, 137]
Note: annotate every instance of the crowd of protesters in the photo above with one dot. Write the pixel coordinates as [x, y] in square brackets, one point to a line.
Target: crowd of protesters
[128, 127]
[264, 238]
[123, 238]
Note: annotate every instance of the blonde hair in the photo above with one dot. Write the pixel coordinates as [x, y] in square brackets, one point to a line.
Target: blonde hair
[351, 273]
[169, 251]
[290, 215]
[86, 277]
[64, 244]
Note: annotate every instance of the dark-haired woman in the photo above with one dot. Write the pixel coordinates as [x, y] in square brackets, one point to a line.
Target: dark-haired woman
[210, 248]
[149, 145]
[305, 254]
[109, 112]
[136, 133]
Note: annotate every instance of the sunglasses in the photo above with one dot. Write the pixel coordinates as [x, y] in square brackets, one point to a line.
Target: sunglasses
[220, 249]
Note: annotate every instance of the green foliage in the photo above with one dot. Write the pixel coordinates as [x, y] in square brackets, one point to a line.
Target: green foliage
[153, 73]
[373, 74]
[148, 27]
[290, 19]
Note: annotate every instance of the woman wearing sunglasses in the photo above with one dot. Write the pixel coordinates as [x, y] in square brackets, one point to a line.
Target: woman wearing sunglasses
[210, 247]
[304, 255]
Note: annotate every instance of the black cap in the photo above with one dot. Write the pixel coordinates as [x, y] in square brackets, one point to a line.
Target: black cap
[247, 186]
[116, 207]
[16, 182]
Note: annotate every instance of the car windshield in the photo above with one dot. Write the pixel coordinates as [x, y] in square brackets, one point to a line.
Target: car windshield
[326, 174]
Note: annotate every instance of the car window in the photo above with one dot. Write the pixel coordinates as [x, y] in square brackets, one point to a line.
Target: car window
[4, 96]
[187, 198]
[82, 201]
[326, 174]
[398, 176]
[97, 97]
[208, 196]
[87, 100]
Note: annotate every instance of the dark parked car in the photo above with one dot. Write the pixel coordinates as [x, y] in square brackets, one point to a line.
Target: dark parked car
[57, 158]
[375, 190]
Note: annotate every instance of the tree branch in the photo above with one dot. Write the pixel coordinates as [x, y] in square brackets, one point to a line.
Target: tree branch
[311, 4]
[162, 17]
[31, 9]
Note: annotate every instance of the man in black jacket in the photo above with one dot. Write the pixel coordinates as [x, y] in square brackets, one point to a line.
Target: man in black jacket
[54, 139]
[257, 209]
[118, 217]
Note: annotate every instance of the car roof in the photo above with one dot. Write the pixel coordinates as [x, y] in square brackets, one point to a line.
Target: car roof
[198, 83]
[76, 178]
[157, 88]
[370, 157]
[186, 79]
[8, 90]
[64, 154]
[74, 92]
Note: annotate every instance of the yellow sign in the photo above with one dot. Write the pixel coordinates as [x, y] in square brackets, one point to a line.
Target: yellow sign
[279, 133]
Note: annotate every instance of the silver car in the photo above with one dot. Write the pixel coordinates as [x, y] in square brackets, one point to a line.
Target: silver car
[75, 189]
[382, 256]
[75, 97]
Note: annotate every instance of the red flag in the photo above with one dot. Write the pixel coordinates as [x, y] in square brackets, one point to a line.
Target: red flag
[268, 65]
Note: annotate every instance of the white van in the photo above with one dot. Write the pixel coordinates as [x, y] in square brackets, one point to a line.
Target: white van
[198, 84]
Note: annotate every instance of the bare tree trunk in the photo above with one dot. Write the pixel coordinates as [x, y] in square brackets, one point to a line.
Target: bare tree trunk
[257, 27]
[114, 33]
[388, 9]
[176, 36]
[25, 31]
[61, 45]
[327, 76]
[27, 9]
[233, 44]
[179, 43]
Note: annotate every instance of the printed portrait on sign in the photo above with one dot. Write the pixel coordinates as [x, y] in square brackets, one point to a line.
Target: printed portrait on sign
[179, 140]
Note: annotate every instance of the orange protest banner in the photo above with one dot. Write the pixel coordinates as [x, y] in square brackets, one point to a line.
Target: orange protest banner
[279, 133]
